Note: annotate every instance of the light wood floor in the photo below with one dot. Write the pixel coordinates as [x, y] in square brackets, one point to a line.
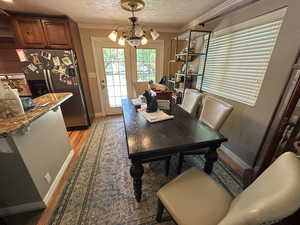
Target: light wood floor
[77, 141]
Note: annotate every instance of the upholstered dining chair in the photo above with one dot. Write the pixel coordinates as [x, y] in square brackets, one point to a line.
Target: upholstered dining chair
[214, 113]
[194, 198]
[191, 101]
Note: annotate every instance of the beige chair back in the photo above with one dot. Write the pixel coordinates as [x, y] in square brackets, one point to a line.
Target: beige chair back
[214, 112]
[274, 195]
[191, 100]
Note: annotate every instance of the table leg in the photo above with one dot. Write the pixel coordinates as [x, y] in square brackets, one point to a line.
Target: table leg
[136, 172]
[211, 157]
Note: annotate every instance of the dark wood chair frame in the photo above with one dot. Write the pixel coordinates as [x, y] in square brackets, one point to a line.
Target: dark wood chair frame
[181, 158]
[167, 162]
[160, 211]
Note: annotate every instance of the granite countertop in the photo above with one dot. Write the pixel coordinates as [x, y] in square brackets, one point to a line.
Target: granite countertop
[45, 103]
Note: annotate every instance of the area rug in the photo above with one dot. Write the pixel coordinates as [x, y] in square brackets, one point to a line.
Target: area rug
[100, 190]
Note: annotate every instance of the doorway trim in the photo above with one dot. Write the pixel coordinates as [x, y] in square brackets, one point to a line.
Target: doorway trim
[97, 44]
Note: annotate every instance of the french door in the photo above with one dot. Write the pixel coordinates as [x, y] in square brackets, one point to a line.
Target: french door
[113, 74]
[119, 67]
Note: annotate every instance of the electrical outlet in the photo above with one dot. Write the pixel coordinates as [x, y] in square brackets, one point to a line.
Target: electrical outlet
[48, 178]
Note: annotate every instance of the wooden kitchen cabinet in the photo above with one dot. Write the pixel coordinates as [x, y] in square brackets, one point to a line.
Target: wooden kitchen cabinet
[49, 32]
[29, 32]
[40, 32]
[57, 33]
[9, 61]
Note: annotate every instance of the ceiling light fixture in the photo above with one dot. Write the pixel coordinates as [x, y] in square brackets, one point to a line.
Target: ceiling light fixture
[113, 35]
[9, 1]
[144, 40]
[136, 34]
[121, 41]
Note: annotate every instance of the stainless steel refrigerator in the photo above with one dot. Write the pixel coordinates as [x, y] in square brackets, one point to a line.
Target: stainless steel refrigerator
[55, 71]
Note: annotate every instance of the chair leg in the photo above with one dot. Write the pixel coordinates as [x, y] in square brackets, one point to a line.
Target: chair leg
[160, 211]
[167, 166]
[180, 162]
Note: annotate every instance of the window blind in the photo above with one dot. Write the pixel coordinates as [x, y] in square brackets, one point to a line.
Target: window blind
[237, 62]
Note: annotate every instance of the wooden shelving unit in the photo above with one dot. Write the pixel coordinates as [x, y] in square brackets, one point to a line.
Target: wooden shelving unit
[189, 54]
[189, 74]
[179, 81]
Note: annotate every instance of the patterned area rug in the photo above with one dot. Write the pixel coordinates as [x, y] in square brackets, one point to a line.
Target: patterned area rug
[100, 188]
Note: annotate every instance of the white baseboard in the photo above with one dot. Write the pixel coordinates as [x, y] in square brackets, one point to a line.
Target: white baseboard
[234, 157]
[99, 114]
[58, 178]
[21, 208]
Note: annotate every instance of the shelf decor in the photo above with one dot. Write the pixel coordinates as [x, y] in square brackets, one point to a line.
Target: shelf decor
[190, 58]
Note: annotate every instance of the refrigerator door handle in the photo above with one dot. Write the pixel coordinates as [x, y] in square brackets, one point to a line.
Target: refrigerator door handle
[50, 81]
[46, 79]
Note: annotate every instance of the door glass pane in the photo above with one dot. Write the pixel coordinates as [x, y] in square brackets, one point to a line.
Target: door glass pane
[146, 64]
[114, 61]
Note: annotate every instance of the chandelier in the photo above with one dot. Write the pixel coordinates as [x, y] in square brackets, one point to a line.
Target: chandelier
[136, 34]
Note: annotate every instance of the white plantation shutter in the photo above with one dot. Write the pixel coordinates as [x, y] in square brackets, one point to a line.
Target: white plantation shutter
[237, 62]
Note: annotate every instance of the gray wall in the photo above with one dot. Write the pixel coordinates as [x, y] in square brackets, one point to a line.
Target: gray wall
[247, 125]
[44, 148]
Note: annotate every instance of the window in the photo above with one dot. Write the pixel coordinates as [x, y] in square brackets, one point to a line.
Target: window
[146, 64]
[237, 61]
[115, 74]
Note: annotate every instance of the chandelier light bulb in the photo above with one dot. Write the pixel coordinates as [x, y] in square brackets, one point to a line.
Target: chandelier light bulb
[144, 40]
[113, 35]
[154, 34]
[139, 31]
[121, 41]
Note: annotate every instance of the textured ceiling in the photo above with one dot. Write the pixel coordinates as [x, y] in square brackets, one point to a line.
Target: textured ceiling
[158, 13]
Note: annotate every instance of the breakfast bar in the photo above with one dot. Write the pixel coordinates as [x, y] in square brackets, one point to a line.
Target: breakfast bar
[34, 153]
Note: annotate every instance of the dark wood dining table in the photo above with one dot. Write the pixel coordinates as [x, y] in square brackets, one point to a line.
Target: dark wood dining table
[146, 140]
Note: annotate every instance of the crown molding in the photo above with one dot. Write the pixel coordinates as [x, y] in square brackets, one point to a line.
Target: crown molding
[114, 26]
[217, 11]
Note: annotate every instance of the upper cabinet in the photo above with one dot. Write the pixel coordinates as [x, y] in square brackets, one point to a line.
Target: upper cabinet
[36, 32]
[29, 32]
[57, 33]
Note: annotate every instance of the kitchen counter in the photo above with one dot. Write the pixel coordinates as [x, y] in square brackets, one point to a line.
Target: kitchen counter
[34, 153]
[45, 103]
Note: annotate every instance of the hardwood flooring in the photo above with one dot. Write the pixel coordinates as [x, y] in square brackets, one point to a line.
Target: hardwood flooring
[77, 139]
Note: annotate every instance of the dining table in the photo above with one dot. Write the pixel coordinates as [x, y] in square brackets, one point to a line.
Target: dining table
[147, 140]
